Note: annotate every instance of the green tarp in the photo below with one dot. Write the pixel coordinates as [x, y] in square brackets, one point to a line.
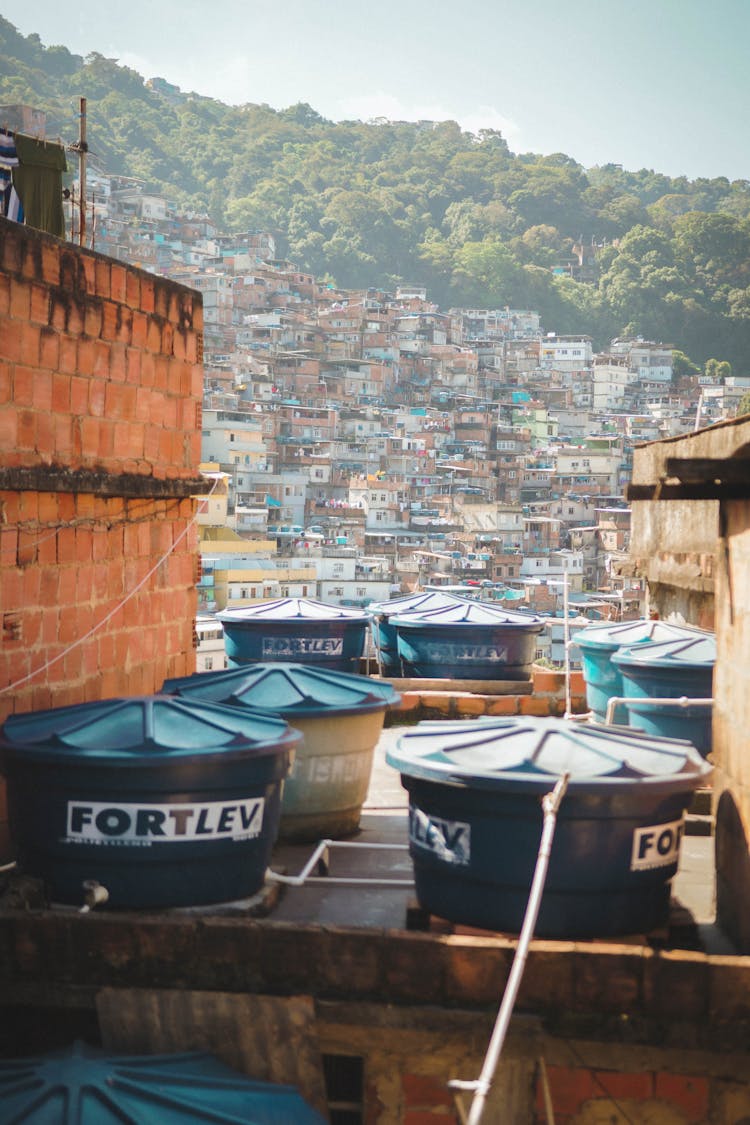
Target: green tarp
[38, 181]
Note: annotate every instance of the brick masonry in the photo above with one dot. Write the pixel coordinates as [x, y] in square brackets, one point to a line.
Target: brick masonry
[100, 405]
[547, 697]
[100, 366]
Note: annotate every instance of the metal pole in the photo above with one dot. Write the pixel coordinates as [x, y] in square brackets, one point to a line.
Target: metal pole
[550, 805]
[82, 150]
[566, 640]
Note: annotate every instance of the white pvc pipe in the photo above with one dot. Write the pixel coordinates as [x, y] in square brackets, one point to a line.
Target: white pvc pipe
[678, 701]
[566, 643]
[319, 857]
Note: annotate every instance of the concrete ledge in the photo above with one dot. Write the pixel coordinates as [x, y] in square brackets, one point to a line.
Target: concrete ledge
[669, 996]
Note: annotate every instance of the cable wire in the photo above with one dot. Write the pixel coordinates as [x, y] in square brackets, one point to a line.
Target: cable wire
[108, 616]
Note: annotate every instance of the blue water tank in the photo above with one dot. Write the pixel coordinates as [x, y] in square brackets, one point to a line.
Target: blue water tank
[340, 716]
[296, 629]
[475, 822]
[162, 801]
[471, 640]
[81, 1085]
[386, 639]
[670, 670]
[599, 642]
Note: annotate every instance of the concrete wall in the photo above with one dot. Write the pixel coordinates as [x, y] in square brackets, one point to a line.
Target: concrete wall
[626, 1032]
[100, 396]
[731, 725]
[673, 544]
[696, 557]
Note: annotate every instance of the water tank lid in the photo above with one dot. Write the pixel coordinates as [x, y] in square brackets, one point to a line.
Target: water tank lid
[291, 609]
[530, 754]
[287, 689]
[142, 730]
[421, 602]
[471, 613]
[690, 652]
[609, 636]
[152, 1090]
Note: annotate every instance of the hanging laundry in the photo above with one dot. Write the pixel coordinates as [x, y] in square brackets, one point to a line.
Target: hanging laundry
[10, 204]
[38, 181]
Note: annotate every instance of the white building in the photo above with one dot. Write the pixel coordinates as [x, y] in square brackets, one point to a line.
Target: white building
[552, 567]
[210, 653]
[651, 362]
[565, 353]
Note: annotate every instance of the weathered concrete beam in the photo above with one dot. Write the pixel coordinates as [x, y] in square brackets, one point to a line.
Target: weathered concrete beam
[58, 478]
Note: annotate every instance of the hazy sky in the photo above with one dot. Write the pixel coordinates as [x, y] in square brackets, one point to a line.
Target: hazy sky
[662, 84]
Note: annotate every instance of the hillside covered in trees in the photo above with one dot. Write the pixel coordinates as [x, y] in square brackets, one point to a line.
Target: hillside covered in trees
[380, 202]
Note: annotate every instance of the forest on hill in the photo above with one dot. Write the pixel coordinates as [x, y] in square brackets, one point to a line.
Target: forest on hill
[380, 202]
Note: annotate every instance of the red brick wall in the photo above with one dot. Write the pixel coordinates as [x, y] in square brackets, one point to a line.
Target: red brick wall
[66, 564]
[100, 364]
[580, 1095]
[100, 395]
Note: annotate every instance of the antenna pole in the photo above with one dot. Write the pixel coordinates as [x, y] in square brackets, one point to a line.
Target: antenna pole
[82, 150]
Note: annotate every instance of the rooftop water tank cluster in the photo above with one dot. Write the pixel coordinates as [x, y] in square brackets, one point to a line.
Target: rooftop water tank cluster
[177, 799]
[656, 661]
[439, 636]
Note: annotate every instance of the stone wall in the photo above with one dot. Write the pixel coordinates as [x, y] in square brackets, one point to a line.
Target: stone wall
[100, 398]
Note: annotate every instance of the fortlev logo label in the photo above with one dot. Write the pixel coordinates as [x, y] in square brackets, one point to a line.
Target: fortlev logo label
[456, 654]
[656, 846]
[303, 646]
[92, 822]
[448, 839]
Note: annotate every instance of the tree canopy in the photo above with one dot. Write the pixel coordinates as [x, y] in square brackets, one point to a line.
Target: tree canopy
[378, 202]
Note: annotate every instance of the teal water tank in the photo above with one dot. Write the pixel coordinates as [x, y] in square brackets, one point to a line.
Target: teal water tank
[598, 644]
[81, 1085]
[469, 640]
[296, 629]
[386, 638]
[475, 822]
[340, 717]
[670, 670]
[162, 801]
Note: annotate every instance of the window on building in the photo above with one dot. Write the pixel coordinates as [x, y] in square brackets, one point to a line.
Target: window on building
[345, 1083]
[208, 663]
